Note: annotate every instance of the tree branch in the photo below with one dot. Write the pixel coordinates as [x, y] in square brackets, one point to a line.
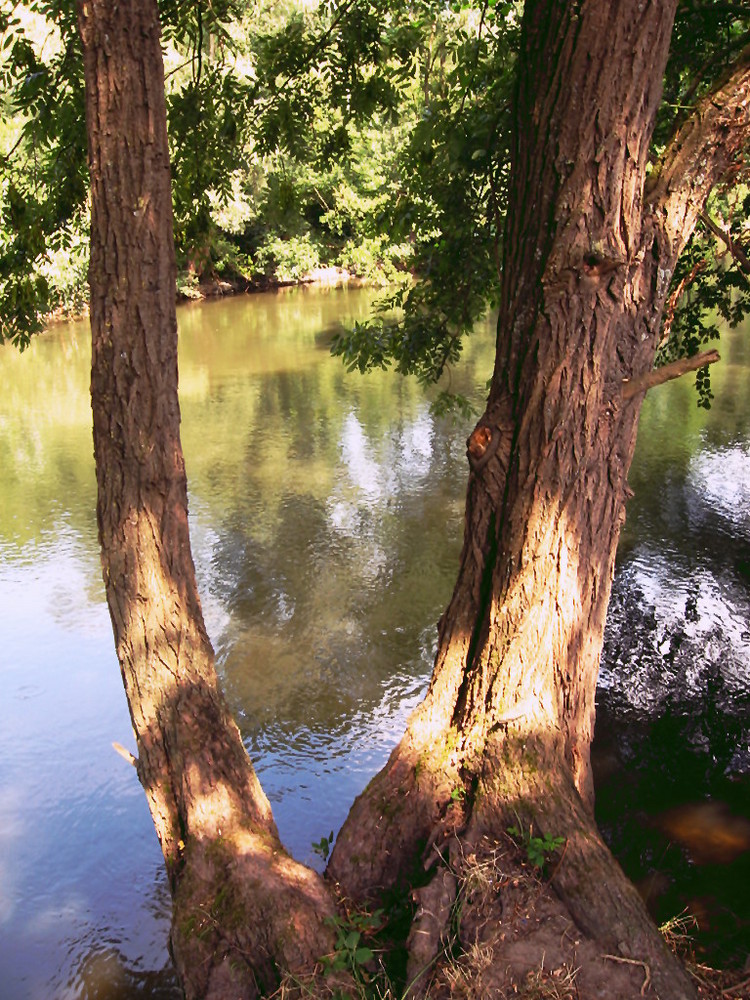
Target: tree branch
[473, 74]
[735, 249]
[701, 152]
[716, 59]
[642, 383]
[674, 297]
[315, 49]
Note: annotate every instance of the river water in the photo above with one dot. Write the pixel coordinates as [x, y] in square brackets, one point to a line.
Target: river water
[326, 517]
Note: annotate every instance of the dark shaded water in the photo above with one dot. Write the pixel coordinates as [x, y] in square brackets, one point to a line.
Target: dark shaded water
[673, 728]
[326, 513]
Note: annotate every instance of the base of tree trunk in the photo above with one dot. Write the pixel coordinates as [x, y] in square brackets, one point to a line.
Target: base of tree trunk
[245, 916]
[510, 880]
[511, 934]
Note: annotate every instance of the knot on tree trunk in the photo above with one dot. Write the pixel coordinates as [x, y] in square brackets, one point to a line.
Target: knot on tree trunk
[481, 445]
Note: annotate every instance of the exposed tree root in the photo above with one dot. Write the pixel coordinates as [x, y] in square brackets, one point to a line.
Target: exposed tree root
[511, 935]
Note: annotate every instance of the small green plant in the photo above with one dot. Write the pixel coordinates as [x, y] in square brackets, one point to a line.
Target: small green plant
[538, 849]
[187, 285]
[458, 794]
[350, 954]
[323, 846]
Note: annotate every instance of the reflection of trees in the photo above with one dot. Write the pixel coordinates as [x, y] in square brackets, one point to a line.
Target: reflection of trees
[326, 563]
[45, 438]
[106, 974]
[680, 602]
[678, 498]
[674, 430]
[332, 546]
[312, 566]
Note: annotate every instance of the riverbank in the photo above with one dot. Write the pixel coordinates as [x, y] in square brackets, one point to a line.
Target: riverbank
[329, 276]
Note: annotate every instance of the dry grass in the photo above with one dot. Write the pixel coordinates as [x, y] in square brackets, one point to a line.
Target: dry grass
[467, 979]
[559, 984]
[712, 984]
[485, 963]
[715, 984]
[465, 975]
[678, 933]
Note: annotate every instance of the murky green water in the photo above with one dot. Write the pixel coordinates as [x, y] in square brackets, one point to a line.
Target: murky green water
[326, 512]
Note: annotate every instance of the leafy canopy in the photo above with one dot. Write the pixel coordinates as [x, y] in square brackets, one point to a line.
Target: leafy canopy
[367, 133]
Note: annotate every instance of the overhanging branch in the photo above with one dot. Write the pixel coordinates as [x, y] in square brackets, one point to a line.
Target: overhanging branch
[700, 153]
[642, 383]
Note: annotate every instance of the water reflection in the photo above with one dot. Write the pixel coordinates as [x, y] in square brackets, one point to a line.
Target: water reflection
[326, 516]
[106, 974]
[672, 754]
[335, 523]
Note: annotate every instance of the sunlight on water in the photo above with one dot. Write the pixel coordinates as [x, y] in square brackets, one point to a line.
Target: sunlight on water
[722, 479]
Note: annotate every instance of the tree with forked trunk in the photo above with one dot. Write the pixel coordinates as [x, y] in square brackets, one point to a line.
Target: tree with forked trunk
[502, 739]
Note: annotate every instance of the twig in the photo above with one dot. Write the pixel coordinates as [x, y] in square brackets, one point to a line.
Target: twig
[634, 961]
[476, 57]
[699, 979]
[737, 986]
[6, 157]
[642, 383]
[177, 69]
[125, 754]
[674, 298]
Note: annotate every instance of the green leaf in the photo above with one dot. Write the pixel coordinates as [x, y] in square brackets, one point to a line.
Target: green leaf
[352, 940]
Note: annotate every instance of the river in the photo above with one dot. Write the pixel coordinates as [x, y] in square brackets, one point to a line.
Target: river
[326, 517]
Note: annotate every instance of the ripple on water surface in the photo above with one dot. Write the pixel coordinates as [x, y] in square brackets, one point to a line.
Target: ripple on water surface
[672, 748]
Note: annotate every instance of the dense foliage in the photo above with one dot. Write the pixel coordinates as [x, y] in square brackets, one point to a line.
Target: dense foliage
[358, 133]
[712, 280]
[43, 186]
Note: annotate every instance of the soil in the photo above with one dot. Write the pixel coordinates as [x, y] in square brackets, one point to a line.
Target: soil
[512, 937]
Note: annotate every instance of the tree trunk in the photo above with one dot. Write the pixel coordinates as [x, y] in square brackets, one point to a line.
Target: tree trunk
[242, 907]
[503, 736]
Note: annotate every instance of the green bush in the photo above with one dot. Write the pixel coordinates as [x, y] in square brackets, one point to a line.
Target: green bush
[65, 268]
[376, 259]
[288, 259]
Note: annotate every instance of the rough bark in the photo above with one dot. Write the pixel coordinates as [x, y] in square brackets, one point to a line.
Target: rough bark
[590, 247]
[242, 907]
